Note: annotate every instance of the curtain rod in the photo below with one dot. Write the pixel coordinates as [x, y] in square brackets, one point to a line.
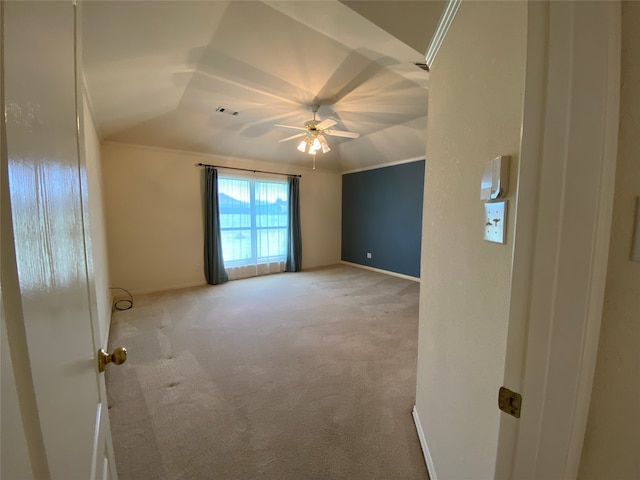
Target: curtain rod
[247, 170]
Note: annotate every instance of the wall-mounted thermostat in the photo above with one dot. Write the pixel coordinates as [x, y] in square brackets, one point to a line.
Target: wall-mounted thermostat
[495, 179]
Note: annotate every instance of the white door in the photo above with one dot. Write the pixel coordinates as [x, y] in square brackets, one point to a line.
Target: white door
[568, 154]
[42, 98]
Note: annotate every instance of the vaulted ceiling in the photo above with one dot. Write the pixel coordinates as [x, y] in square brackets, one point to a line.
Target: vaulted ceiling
[157, 71]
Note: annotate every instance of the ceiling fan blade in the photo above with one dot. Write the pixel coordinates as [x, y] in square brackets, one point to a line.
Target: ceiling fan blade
[341, 133]
[297, 135]
[326, 123]
[289, 126]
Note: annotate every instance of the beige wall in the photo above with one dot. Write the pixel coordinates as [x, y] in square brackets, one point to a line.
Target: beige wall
[155, 222]
[475, 108]
[612, 442]
[97, 246]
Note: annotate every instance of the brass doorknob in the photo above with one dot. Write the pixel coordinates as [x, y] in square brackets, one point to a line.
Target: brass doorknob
[119, 356]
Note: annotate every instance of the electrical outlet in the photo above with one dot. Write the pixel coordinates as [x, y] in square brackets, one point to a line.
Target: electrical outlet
[198, 267]
[368, 254]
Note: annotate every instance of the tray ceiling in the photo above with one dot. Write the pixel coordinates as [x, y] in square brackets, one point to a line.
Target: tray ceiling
[157, 71]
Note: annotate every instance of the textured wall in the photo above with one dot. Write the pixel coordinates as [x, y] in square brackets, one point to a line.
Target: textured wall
[153, 202]
[612, 442]
[382, 214]
[475, 108]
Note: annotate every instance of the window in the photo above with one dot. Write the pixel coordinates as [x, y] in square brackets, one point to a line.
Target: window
[253, 220]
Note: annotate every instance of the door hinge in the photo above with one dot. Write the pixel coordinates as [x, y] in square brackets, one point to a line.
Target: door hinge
[509, 402]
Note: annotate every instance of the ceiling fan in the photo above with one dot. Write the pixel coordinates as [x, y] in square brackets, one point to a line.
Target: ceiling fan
[314, 132]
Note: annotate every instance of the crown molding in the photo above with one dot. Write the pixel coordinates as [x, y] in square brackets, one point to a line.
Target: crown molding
[445, 22]
[384, 165]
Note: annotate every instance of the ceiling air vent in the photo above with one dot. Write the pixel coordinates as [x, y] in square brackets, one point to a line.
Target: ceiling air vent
[423, 66]
[226, 110]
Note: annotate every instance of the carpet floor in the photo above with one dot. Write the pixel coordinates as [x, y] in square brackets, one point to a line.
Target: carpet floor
[294, 376]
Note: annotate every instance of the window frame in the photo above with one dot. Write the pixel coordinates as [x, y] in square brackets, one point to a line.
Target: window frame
[253, 228]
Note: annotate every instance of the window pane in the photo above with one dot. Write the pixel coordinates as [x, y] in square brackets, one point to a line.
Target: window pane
[271, 221]
[236, 245]
[234, 198]
[272, 244]
[271, 211]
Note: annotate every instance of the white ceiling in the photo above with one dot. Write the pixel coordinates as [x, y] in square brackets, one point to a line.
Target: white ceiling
[157, 71]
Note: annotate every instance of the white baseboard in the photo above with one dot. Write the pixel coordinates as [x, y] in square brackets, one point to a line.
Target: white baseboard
[423, 443]
[379, 270]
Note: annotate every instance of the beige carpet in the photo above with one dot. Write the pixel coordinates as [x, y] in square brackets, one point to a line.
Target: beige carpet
[292, 376]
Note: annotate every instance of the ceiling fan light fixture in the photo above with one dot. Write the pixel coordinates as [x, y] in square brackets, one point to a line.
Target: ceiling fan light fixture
[314, 132]
[302, 146]
[324, 144]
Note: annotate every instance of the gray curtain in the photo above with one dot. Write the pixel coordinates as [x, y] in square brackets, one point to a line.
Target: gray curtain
[294, 238]
[213, 262]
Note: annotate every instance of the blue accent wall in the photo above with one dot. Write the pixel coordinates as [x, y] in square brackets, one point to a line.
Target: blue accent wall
[382, 214]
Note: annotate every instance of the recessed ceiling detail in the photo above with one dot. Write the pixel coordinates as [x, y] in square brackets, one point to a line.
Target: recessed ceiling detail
[160, 73]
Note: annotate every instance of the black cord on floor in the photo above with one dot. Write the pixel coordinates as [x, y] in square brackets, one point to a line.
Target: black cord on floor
[128, 302]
